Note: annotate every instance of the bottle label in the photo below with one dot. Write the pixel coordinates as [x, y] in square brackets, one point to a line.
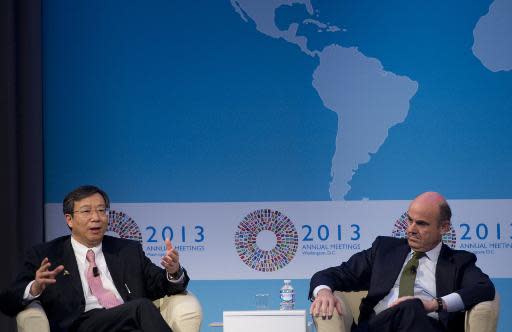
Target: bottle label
[287, 297]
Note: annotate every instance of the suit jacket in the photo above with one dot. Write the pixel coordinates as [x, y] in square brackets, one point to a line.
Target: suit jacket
[133, 274]
[377, 268]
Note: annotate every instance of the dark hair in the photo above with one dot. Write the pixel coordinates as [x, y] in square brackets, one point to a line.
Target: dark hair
[68, 204]
[445, 212]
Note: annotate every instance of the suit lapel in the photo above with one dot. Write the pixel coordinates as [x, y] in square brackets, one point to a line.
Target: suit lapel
[71, 268]
[445, 270]
[391, 271]
[115, 266]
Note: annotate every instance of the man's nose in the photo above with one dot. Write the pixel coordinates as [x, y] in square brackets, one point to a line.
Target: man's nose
[95, 215]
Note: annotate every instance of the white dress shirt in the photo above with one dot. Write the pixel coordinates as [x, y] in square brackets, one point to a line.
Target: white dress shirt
[91, 302]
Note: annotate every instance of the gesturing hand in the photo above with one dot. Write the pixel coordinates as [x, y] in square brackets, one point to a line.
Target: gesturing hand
[44, 277]
[171, 260]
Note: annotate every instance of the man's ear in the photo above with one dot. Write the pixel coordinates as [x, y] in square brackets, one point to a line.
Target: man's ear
[445, 226]
[69, 220]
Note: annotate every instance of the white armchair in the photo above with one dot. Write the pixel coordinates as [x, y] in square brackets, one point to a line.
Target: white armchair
[182, 312]
[483, 317]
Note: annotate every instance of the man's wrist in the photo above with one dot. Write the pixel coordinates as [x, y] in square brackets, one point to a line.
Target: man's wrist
[176, 275]
[27, 294]
[34, 290]
[318, 289]
[440, 304]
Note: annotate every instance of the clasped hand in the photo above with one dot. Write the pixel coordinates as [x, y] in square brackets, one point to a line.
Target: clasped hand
[429, 305]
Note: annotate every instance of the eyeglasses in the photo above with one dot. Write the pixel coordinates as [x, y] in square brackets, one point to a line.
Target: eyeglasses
[87, 212]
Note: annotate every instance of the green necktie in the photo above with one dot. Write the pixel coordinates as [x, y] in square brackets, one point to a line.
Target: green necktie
[406, 287]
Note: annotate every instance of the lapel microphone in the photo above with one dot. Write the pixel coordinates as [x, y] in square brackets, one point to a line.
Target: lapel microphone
[414, 269]
[95, 271]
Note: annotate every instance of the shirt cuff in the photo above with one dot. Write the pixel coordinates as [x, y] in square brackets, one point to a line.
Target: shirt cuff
[176, 280]
[319, 288]
[27, 297]
[453, 302]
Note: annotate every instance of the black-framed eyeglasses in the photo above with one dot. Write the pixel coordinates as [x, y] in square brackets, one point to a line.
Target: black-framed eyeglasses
[87, 212]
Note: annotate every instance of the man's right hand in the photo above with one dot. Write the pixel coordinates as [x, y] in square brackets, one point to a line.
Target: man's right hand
[44, 277]
[324, 304]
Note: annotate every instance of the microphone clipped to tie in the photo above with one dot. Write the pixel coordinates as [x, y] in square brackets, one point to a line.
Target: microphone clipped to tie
[95, 271]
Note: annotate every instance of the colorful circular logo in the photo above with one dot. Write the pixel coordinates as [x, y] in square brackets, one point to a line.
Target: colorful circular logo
[400, 231]
[124, 226]
[264, 221]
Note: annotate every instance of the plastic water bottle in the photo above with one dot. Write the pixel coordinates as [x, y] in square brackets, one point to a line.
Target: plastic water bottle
[287, 296]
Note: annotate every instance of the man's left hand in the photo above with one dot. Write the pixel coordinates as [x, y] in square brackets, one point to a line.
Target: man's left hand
[430, 306]
[171, 260]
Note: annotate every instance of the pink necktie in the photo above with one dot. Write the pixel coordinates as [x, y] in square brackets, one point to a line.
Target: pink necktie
[105, 297]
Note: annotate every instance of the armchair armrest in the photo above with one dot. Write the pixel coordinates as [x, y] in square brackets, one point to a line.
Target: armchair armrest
[182, 312]
[33, 318]
[350, 313]
[483, 317]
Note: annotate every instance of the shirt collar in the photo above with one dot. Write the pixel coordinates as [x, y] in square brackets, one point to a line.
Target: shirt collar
[81, 250]
[432, 254]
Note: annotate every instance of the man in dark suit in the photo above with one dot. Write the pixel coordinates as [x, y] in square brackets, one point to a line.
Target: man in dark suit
[99, 283]
[414, 284]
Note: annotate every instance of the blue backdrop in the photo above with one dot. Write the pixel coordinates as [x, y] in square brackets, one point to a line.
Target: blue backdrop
[243, 101]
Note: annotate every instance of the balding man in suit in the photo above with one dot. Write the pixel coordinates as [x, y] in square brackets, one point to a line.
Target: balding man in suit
[414, 284]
